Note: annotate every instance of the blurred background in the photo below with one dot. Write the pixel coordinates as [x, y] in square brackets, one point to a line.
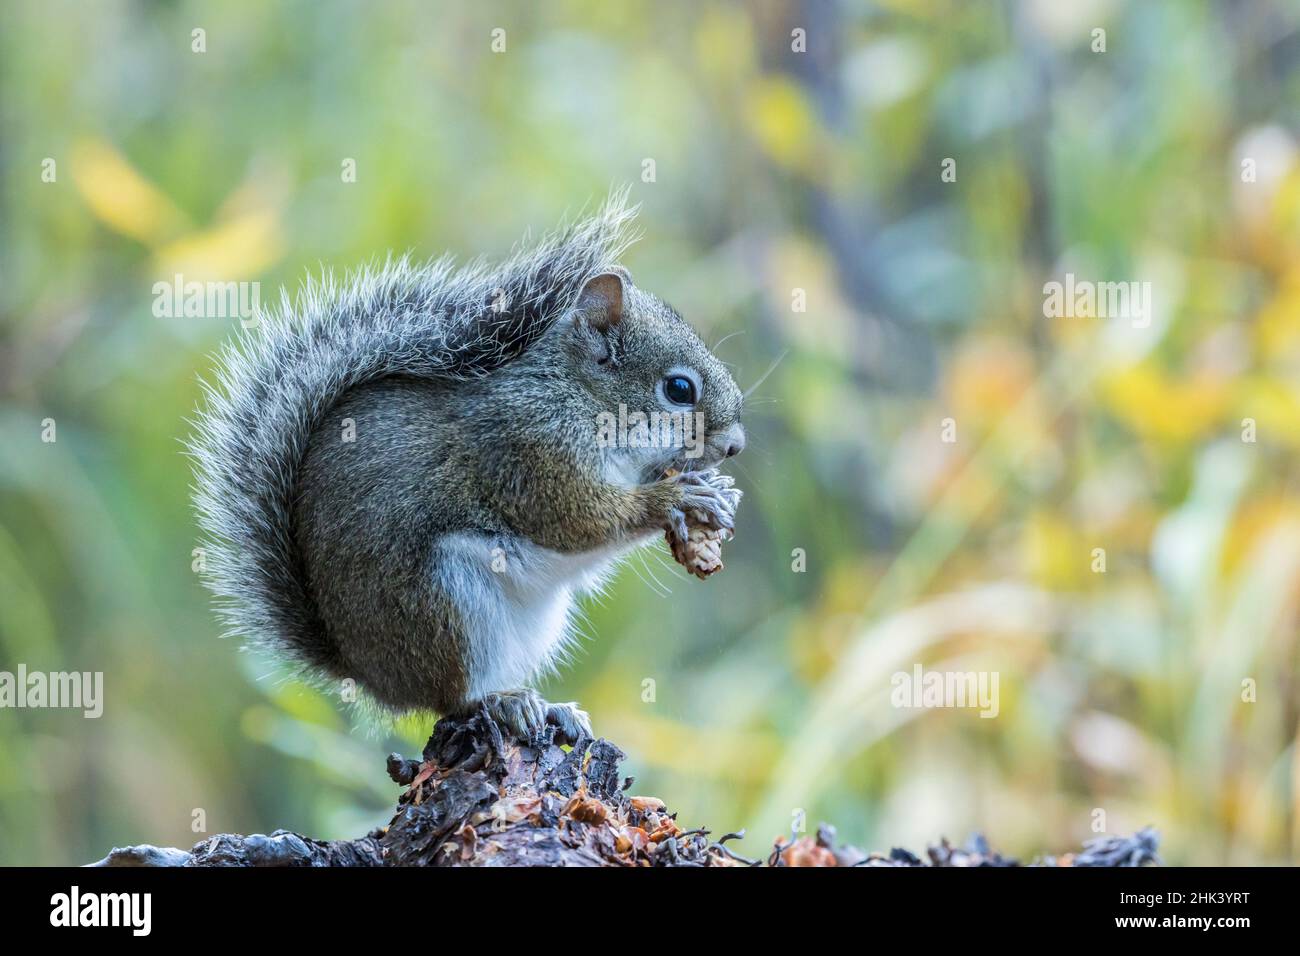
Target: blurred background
[790, 160]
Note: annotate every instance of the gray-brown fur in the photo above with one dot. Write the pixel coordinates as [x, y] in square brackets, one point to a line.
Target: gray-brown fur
[474, 415]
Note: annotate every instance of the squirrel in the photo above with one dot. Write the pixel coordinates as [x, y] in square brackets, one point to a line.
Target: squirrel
[399, 479]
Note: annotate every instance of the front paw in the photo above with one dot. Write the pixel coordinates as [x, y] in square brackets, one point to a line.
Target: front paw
[704, 518]
[709, 500]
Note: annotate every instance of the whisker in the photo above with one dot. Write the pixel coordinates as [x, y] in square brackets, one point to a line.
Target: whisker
[730, 335]
[763, 378]
[658, 586]
[749, 478]
[669, 567]
[631, 562]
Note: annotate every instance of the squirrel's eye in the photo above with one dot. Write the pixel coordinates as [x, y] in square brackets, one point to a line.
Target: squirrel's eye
[679, 390]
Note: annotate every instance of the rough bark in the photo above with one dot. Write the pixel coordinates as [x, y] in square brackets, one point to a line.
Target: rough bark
[475, 799]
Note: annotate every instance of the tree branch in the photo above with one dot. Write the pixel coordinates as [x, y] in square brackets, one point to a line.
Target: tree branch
[475, 799]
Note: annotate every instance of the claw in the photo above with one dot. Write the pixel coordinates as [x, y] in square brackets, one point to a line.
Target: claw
[708, 497]
[523, 716]
[571, 723]
[520, 713]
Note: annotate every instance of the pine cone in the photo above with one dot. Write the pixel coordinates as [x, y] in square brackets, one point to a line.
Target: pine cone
[701, 552]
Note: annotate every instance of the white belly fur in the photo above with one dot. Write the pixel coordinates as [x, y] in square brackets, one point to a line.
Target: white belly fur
[519, 603]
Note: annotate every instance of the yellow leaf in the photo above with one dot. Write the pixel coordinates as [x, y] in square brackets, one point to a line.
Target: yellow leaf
[782, 121]
[1278, 322]
[120, 197]
[1053, 554]
[1156, 406]
[228, 251]
[1275, 407]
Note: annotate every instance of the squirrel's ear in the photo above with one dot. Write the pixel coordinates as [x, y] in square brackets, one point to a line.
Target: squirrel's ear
[600, 304]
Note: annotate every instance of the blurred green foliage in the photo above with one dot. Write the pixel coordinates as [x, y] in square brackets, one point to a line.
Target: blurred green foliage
[774, 171]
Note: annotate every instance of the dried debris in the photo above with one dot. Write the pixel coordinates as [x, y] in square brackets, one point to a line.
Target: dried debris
[476, 799]
[823, 850]
[1137, 850]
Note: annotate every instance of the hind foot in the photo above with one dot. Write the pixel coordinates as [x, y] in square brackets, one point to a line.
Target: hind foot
[524, 715]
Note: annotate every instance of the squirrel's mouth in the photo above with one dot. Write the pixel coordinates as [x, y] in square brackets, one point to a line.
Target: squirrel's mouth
[660, 472]
[677, 466]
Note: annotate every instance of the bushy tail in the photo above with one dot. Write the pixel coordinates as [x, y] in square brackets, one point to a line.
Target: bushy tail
[277, 381]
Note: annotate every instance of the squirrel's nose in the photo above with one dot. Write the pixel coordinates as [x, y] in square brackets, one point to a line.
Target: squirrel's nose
[735, 441]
